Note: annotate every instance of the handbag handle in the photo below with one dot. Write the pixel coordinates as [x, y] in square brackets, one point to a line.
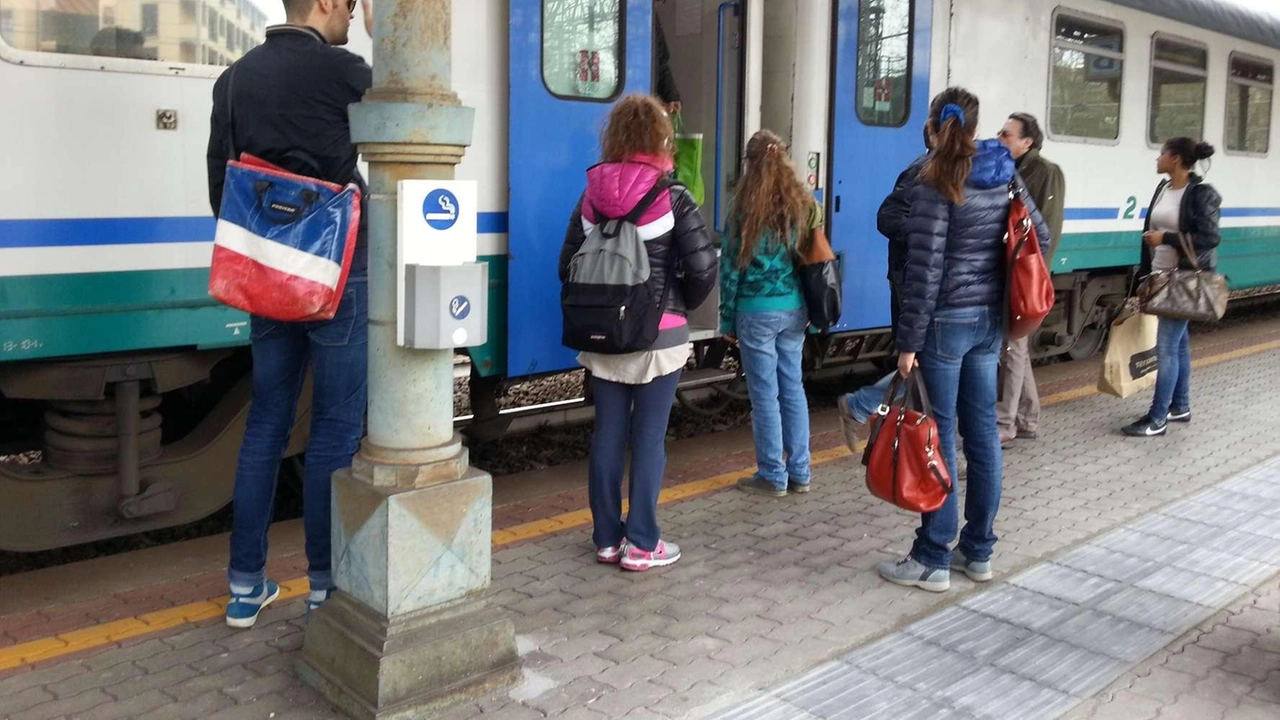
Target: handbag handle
[1188, 249]
[913, 382]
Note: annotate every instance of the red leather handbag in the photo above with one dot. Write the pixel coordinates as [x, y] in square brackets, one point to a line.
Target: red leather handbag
[1030, 288]
[904, 464]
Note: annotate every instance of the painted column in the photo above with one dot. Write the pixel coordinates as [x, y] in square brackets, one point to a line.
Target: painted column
[408, 631]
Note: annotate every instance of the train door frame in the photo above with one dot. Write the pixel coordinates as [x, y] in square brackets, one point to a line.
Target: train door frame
[856, 149]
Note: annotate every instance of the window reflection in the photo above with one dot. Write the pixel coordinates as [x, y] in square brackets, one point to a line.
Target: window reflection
[210, 32]
[884, 45]
[581, 47]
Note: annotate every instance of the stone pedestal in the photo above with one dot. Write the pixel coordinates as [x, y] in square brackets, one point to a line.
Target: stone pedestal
[409, 667]
[409, 632]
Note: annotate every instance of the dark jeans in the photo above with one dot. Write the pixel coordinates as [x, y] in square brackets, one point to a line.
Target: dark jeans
[1173, 381]
[337, 351]
[634, 417]
[961, 352]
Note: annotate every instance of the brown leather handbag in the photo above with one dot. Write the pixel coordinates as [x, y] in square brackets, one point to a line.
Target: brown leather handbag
[1195, 294]
[904, 464]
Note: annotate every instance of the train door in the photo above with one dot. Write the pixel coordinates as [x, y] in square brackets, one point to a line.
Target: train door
[570, 60]
[879, 102]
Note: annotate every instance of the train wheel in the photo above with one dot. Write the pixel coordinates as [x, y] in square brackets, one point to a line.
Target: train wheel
[1090, 341]
[719, 397]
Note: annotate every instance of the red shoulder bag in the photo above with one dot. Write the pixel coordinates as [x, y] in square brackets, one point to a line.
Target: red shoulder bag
[1030, 288]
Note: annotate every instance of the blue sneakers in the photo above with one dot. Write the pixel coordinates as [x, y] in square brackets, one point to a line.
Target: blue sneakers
[315, 600]
[243, 609]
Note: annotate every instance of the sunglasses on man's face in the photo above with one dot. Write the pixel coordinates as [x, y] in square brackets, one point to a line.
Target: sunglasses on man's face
[351, 6]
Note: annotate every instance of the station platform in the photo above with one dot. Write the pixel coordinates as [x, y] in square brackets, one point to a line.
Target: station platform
[1135, 578]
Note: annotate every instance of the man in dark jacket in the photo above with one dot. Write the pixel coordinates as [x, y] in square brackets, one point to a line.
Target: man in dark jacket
[891, 220]
[286, 102]
[1018, 412]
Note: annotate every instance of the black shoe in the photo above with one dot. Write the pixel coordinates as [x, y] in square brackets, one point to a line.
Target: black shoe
[1145, 427]
[757, 485]
[1183, 416]
[1027, 435]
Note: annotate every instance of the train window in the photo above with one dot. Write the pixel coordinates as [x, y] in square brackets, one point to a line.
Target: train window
[170, 31]
[1179, 73]
[884, 61]
[1086, 78]
[582, 48]
[1249, 90]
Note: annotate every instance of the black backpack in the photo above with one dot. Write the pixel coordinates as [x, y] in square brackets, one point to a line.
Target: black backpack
[607, 300]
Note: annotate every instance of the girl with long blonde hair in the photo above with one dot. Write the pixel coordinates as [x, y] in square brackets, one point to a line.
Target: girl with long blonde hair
[762, 309]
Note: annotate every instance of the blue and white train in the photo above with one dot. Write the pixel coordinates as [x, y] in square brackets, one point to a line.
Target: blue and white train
[106, 328]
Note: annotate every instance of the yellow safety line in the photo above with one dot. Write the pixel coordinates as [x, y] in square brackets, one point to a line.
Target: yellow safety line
[112, 632]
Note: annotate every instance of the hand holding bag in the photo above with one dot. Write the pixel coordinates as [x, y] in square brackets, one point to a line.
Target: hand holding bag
[904, 465]
[1195, 294]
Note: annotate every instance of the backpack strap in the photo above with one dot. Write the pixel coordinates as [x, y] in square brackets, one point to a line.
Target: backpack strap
[648, 200]
[231, 116]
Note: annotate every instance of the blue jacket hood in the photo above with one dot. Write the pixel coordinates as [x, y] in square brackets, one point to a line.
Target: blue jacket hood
[992, 166]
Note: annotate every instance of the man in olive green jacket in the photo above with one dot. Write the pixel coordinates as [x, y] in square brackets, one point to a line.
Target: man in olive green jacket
[1018, 410]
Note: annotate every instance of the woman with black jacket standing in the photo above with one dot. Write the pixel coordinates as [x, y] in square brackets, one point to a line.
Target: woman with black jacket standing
[1184, 205]
[953, 305]
[634, 391]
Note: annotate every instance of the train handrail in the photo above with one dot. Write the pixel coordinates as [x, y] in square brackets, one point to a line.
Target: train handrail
[717, 222]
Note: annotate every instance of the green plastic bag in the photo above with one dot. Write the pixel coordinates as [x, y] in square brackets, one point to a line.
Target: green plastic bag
[689, 160]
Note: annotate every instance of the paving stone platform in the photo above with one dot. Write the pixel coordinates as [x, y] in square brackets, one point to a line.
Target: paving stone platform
[1051, 636]
[771, 589]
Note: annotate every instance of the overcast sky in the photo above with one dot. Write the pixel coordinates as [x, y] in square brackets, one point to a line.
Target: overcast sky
[1267, 6]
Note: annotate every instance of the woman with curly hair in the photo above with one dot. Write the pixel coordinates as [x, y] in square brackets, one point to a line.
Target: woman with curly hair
[634, 391]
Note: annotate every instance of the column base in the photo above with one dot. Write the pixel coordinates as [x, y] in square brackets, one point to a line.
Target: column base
[412, 666]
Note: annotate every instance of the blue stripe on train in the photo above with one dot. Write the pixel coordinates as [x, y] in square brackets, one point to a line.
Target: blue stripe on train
[143, 231]
[1114, 213]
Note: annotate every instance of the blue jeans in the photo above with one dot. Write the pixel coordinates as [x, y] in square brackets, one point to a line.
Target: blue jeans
[865, 401]
[633, 416]
[1173, 381]
[961, 352]
[771, 345]
[338, 353]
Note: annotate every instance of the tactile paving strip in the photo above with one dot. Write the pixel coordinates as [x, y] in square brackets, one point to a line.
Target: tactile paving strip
[1051, 636]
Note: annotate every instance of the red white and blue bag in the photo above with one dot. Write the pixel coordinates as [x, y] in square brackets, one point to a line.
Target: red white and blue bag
[284, 242]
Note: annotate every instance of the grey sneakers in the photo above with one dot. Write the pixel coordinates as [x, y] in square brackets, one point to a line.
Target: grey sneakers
[910, 573]
[977, 571]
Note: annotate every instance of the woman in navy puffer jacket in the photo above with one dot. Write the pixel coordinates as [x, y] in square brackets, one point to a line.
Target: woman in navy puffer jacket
[952, 320]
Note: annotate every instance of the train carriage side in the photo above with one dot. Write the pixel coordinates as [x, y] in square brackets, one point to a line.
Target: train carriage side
[1110, 83]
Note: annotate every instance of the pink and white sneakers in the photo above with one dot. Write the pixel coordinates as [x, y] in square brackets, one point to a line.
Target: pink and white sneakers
[637, 560]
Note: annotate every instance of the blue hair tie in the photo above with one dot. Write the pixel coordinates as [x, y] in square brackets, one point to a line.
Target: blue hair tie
[951, 110]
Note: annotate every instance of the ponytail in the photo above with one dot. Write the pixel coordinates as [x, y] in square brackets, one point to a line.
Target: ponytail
[953, 117]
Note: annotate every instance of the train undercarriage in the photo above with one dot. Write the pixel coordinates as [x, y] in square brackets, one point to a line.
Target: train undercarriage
[134, 443]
